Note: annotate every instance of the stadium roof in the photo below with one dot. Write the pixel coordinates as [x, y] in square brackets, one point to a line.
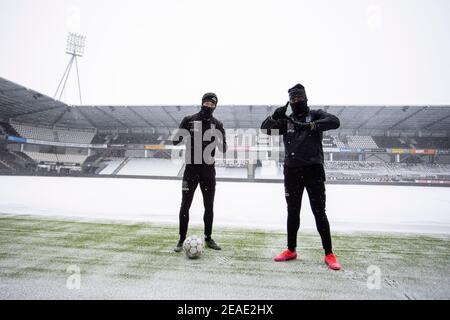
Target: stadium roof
[22, 105]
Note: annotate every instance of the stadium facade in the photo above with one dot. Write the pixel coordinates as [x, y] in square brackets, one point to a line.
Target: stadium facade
[375, 144]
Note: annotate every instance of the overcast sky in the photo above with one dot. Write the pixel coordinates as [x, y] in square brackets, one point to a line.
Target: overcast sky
[248, 52]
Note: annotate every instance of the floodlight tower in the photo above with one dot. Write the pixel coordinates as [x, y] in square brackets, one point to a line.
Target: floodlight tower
[75, 48]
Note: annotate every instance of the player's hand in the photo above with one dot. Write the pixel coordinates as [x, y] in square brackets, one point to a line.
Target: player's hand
[303, 125]
[280, 113]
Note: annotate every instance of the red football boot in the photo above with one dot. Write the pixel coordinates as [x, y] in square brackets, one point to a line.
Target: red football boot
[331, 261]
[286, 255]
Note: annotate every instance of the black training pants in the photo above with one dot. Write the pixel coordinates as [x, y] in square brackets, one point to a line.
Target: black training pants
[295, 181]
[193, 176]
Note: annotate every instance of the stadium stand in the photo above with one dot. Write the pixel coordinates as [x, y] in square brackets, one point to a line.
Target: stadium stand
[329, 142]
[127, 129]
[54, 157]
[391, 142]
[6, 128]
[338, 142]
[4, 167]
[379, 168]
[34, 132]
[71, 158]
[15, 162]
[413, 142]
[130, 138]
[72, 136]
[54, 135]
[135, 138]
[25, 159]
[6, 163]
[102, 138]
[431, 142]
[360, 166]
[361, 142]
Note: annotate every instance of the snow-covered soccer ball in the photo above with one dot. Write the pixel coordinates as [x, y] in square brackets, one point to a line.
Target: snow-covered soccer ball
[193, 247]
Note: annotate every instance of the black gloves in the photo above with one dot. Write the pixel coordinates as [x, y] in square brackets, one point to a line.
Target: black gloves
[304, 125]
[280, 113]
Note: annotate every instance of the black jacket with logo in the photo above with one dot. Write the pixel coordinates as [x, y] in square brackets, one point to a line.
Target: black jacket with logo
[303, 147]
[215, 138]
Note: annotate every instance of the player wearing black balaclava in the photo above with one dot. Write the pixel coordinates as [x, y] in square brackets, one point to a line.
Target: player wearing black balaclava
[303, 167]
[201, 133]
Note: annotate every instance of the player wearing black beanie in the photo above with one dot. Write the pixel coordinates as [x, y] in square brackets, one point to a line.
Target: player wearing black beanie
[303, 167]
[199, 168]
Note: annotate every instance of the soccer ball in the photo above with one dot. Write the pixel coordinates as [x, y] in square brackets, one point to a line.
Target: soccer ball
[193, 247]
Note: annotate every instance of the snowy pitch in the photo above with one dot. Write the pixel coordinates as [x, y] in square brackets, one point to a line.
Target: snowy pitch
[107, 238]
[43, 258]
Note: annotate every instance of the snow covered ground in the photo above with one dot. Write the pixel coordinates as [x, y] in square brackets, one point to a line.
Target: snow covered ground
[47, 258]
[250, 205]
[118, 235]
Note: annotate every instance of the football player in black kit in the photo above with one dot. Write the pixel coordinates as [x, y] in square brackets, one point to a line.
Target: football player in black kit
[303, 167]
[201, 133]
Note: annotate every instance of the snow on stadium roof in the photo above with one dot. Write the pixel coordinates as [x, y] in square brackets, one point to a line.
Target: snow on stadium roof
[23, 105]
